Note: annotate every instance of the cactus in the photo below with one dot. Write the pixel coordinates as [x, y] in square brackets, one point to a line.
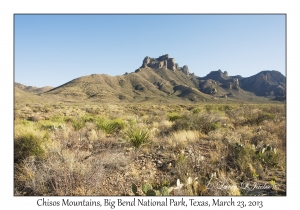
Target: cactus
[134, 189]
[146, 187]
[164, 191]
[150, 193]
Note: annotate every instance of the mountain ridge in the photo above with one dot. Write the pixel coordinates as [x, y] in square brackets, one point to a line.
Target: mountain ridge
[161, 79]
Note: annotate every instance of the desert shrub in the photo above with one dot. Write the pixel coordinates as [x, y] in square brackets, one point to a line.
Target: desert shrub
[47, 124]
[196, 110]
[110, 126]
[37, 108]
[173, 116]
[78, 123]
[239, 156]
[209, 107]
[68, 119]
[258, 118]
[57, 118]
[214, 126]
[47, 109]
[275, 109]
[182, 137]
[34, 118]
[60, 175]
[28, 142]
[25, 123]
[248, 159]
[87, 118]
[268, 156]
[138, 135]
[225, 107]
[278, 129]
[264, 137]
[203, 123]
[183, 166]
[236, 116]
[114, 161]
[92, 110]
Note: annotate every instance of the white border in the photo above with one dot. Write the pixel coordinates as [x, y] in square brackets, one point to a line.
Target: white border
[9, 8]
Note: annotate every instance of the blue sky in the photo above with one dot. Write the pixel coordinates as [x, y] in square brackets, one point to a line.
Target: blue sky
[51, 50]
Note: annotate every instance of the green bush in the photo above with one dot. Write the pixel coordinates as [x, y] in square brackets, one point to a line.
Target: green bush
[137, 135]
[241, 157]
[29, 144]
[196, 110]
[209, 107]
[78, 124]
[57, 118]
[110, 126]
[203, 123]
[257, 119]
[173, 116]
[47, 124]
[225, 107]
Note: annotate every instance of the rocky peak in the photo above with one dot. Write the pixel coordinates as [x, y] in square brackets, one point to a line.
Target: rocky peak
[185, 70]
[164, 61]
[217, 75]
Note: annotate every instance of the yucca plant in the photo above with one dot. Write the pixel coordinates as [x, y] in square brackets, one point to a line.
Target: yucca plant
[137, 135]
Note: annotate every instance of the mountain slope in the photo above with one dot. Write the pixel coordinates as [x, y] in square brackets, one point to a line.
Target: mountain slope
[265, 83]
[145, 84]
[33, 89]
[162, 80]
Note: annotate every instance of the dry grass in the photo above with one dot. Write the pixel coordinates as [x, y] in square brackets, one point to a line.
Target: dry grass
[74, 149]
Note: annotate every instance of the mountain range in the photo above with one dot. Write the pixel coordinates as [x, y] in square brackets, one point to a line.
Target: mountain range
[162, 80]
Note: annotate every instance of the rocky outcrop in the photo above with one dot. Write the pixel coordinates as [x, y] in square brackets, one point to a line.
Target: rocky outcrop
[224, 80]
[209, 86]
[171, 64]
[185, 70]
[233, 84]
[217, 76]
[218, 83]
[146, 61]
[163, 61]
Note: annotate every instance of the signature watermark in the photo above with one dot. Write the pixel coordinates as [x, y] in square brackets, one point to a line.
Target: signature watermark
[245, 187]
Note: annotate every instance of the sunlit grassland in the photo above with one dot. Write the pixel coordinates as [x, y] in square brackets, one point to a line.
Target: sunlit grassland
[103, 149]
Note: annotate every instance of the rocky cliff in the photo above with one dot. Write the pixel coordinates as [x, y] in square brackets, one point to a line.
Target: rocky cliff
[165, 62]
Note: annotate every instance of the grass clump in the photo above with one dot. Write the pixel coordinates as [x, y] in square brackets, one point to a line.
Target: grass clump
[257, 119]
[203, 123]
[173, 116]
[138, 135]
[78, 123]
[28, 142]
[110, 126]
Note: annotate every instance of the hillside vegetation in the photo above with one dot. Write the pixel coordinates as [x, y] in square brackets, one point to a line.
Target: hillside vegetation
[90, 148]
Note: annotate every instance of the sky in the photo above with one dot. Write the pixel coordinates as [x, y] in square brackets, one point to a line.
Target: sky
[50, 50]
